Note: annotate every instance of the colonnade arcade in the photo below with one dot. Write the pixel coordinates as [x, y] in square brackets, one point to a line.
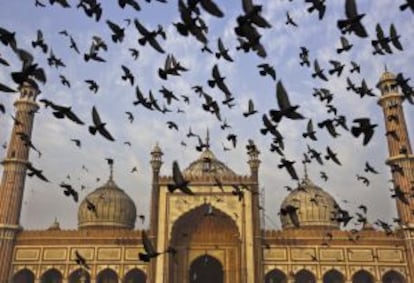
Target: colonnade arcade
[79, 276]
[332, 276]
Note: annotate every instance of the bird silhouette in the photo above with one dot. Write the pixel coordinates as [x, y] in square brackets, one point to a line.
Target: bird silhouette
[179, 182]
[40, 42]
[99, 126]
[150, 36]
[352, 23]
[290, 21]
[223, 52]
[81, 261]
[364, 127]
[285, 108]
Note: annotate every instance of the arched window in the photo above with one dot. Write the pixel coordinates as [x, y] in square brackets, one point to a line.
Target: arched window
[135, 276]
[333, 276]
[393, 277]
[79, 276]
[304, 276]
[275, 276]
[51, 276]
[107, 276]
[362, 276]
[23, 276]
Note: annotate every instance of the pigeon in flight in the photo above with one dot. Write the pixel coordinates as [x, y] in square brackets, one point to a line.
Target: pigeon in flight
[179, 182]
[99, 126]
[352, 23]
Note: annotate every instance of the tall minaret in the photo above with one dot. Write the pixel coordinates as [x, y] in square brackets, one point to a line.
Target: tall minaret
[254, 163]
[14, 175]
[156, 163]
[400, 155]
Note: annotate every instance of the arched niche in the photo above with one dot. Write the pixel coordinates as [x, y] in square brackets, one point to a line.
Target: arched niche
[275, 276]
[393, 276]
[362, 276]
[107, 276]
[23, 276]
[333, 276]
[304, 276]
[206, 269]
[135, 276]
[79, 276]
[51, 276]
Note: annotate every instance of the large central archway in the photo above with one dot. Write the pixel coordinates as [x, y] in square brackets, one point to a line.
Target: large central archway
[206, 269]
[205, 230]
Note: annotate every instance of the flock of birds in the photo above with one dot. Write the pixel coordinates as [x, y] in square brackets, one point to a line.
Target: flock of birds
[192, 23]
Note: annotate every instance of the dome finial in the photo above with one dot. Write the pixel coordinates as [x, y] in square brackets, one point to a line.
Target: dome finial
[111, 168]
[385, 68]
[208, 139]
[305, 169]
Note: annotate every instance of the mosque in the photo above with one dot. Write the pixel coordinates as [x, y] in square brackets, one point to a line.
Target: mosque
[217, 236]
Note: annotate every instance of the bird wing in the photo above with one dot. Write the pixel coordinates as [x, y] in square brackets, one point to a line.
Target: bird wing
[282, 96]
[211, 8]
[95, 117]
[177, 175]
[148, 247]
[72, 116]
[350, 9]
[154, 43]
[142, 30]
[4, 88]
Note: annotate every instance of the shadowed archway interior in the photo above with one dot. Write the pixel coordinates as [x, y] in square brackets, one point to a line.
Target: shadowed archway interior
[393, 277]
[275, 276]
[51, 276]
[23, 276]
[79, 276]
[333, 276]
[202, 230]
[107, 276]
[304, 276]
[362, 276]
[206, 269]
[135, 276]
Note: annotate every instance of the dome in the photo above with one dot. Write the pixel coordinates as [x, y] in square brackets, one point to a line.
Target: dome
[207, 164]
[114, 208]
[316, 208]
[386, 76]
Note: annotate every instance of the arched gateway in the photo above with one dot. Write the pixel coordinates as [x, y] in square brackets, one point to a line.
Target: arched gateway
[208, 245]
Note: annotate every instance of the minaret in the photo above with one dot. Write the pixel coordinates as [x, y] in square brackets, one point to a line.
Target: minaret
[156, 163]
[254, 163]
[14, 175]
[400, 154]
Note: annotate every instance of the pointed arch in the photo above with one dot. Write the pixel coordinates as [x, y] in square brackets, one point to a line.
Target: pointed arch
[205, 217]
[79, 276]
[362, 276]
[207, 227]
[135, 275]
[275, 276]
[393, 276]
[51, 276]
[23, 276]
[107, 276]
[304, 276]
[333, 276]
[206, 269]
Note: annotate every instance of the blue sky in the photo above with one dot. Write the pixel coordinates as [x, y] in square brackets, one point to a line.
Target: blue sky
[43, 202]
